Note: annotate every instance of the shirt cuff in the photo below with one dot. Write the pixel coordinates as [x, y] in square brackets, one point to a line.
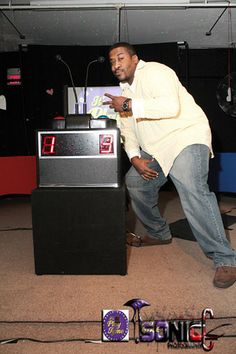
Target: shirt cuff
[133, 153]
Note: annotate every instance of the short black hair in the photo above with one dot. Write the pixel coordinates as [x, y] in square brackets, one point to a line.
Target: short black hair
[128, 46]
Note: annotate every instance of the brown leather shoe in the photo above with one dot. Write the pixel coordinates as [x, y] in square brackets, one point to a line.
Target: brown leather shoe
[225, 276]
[143, 241]
[151, 241]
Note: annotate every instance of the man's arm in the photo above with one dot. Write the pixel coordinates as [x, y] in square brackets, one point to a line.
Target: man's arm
[157, 96]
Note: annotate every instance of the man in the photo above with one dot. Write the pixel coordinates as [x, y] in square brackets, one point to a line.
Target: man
[166, 133]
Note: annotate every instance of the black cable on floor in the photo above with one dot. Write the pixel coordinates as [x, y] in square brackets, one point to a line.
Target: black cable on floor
[17, 229]
[15, 340]
[50, 322]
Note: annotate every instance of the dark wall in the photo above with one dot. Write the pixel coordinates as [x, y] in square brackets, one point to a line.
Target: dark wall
[40, 97]
[207, 68]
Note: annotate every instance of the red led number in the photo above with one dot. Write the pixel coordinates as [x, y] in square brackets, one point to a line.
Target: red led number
[106, 144]
[48, 145]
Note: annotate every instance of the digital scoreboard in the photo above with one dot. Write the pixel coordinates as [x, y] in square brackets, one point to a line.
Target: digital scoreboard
[78, 158]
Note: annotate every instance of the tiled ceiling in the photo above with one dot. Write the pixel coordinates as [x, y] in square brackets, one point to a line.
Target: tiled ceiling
[200, 23]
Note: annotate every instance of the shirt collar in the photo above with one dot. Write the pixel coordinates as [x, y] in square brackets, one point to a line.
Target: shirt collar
[140, 65]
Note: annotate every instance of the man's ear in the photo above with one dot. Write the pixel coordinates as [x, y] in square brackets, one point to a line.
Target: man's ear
[135, 59]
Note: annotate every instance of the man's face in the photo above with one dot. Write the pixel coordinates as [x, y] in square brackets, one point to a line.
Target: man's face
[123, 64]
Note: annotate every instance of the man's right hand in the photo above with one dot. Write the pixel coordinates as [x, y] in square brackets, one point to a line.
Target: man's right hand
[141, 166]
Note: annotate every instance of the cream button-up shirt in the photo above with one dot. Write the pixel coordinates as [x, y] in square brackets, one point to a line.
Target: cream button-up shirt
[165, 118]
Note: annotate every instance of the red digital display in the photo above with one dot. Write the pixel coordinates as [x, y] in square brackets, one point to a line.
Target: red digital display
[78, 144]
[106, 144]
[48, 146]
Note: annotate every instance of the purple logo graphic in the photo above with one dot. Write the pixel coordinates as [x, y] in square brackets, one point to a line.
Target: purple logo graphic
[177, 333]
[136, 305]
[115, 325]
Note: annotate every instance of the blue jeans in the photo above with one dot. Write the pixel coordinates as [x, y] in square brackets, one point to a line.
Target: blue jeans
[189, 174]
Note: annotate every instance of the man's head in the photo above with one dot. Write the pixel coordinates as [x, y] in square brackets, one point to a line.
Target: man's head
[123, 59]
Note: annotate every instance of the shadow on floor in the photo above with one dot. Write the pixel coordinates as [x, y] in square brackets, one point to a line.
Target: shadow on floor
[181, 228]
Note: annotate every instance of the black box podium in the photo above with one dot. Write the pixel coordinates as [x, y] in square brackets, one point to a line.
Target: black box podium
[79, 230]
[78, 211]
